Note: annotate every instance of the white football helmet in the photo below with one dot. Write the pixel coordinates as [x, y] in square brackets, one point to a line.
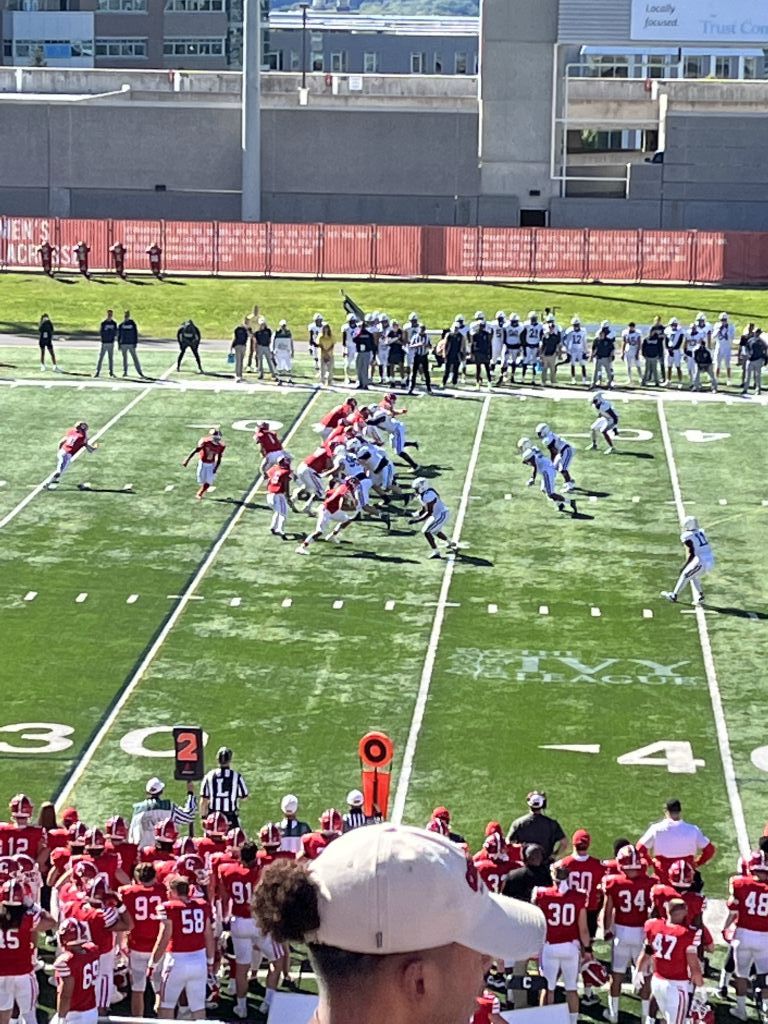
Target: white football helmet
[690, 523]
[413, 316]
[597, 397]
[523, 443]
[529, 454]
[604, 324]
[575, 322]
[542, 429]
[533, 315]
[723, 317]
[479, 315]
[500, 315]
[674, 322]
[420, 485]
[318, 317]
[514, 318]
[550, 319]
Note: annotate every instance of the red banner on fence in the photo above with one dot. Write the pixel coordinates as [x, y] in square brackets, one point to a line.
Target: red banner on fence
[371, 250]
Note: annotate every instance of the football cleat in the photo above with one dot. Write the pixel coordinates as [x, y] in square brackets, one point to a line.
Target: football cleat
[610, 451]
[570, 487]
[669, 596]
[302, 550]
[435, 554]
[591, 447]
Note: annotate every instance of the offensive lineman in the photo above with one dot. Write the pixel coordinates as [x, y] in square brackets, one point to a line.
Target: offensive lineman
[434, 514]
[560, 452]
[542, 466]
[700, 560]
[607, 423]
[73, 441]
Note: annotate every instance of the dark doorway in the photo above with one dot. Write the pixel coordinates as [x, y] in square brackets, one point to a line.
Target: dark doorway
[533, 218]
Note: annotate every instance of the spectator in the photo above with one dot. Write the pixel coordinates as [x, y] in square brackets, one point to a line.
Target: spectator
[107, 335]
[365, 346]
[188, 337]
[156, 808]
[420, 347]
[291, 828]
[263, 340]
[396, 914]
[326, 343]
[127, 340]
[673, 839]
[756, 355]
[222, 789]
[536, 827]
[239, 341]
[653, 353]
[45, 341]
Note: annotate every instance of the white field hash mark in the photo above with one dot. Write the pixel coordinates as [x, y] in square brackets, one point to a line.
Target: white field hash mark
[420, 706]
[185, 597]
[723, 740]
[9, 516]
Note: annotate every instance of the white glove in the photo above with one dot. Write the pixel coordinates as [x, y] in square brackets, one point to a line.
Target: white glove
[529, 483]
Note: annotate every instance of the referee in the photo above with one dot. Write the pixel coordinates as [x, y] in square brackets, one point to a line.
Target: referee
[222, 789]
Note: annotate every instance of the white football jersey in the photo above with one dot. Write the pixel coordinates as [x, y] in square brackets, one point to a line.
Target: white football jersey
[430, 495]
[555, 440]
[632, 338]
[603, 406]
[700, 543]
[499, 332]
[542, 462]
[724, 333]
[313, 330]
[575, 339]
[512, 339]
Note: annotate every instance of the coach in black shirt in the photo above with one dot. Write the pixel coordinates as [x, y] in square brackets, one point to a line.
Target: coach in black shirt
[454, 353]
[520, 882]
[127, 340]
[536, 827]
[107, 333]
[365, 346]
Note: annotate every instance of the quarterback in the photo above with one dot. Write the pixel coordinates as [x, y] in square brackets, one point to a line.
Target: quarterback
[210, 450]
[73, 441]
[700, 560]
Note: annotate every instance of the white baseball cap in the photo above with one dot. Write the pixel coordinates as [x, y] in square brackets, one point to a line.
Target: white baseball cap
[155, 786]
[397, 889]
[355, 798]
[289, 804]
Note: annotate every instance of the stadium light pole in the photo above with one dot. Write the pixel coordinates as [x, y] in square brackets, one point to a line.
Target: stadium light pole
[304, 8]
[250, 203]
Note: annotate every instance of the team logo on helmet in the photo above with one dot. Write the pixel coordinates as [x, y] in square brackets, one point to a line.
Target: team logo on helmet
[270, 835]
[331, 821]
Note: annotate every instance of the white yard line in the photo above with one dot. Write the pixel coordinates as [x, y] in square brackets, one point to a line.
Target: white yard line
[10, 516]
[723, 740]
[185, 597]
[406, 770]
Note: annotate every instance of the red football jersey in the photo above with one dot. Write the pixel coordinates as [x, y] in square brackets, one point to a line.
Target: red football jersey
[335, 416]
[210, 450]
[29, 839]
[267, 857]
[128, 854]
[188, 918]
[335, 497]
[661, 865]
[73, 441]
[278, 479]
[313, 844]
[142, 902]
[749, 898]
[108, 864]
[661, 895]
[238, 882]
[100, 921]
[81, 964]
[151, 855]
[561, 911]
[320, 461]
[268, 441]
[670, 943]
[492, 872]
[56, 838]
[631, 898]
[18, 948]
[70, 895]
[585, 874]
[207, 846]
[336, 436]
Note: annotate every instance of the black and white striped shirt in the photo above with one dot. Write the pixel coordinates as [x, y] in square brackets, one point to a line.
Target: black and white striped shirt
[223, 788]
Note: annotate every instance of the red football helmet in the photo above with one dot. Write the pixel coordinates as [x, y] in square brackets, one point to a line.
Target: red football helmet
[98, 888]
[236, 838]
[25, 865]
[116, 829]
[494, 828]
[84, 872]
[77, 833]
[494, 846]
[216, 824]
[628, 859]
[701, 1013]
[21, 806]
[757, 862]
[13, 893]
[184, 846]
[73, 932]
[270, 835]
[681, 874]
[331, 821]
[594, 974]
[95, 839]
[439, 826]
[166, 831]
[193, 868]
[7, 869]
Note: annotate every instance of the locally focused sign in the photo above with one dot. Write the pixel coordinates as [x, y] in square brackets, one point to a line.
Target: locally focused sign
[687, 21]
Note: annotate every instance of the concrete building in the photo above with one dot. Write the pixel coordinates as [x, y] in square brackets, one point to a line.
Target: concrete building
[571, 99]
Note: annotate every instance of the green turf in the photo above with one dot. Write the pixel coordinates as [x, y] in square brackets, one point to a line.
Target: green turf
[216, 305]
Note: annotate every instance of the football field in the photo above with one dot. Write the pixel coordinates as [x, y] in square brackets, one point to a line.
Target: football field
[541, 657]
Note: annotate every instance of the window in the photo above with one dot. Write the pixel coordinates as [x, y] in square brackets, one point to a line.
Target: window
[121, 47]
[460, 64]
[727, 67]
[52, 49]
[657, 66]
[418, 62]
[193, 6]
[193, 48]
[339, 62]
[437, 63]
[123, 6]
[696, 67]
[371, 62]
[317, 61]
[273, 60]
[295, 60]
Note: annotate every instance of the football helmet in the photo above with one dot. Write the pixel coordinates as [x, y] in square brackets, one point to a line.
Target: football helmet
[533, 315]
[94, 839]
[494, 846]
[26, 865]
[605, 324]
[542, 429]
[193, 868]
[270, 835]
[757, 863]
[236, 838]
[98, 888]
[184, 846]
[413, 317]
[723, 317]
[628, 859]
[166, 831]
[674, 322]
[514, 318]
[500, 315]
[439, 826]
[690, 523]
[594, 974]
[681, 874]
[84, 872]
[351, 319]
[116, 828]
[528, 455]
[73, 932]
[575, 322]
[480, 315]
[420, 485]
[216, 824]
[700, 317]
[21, 806]
[264, 425]
[318, 317]
[82, 425]
[13, 893]
[330, 821]
[701, 1012]
[460, 319]
[77, 833]
[597, 397]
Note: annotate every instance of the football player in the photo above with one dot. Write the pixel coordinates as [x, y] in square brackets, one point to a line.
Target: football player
[530, 339]
[20, 835]
[73, 442]
[512, 347]
[567, 938]
[270, 444]
[21, 921]
[628, 905]
[498, 338]
[674, 343]
[76, 970]
[748, 911]
[279, 494]
[434, 514]
[542, 466]
[700, 560]
[309, 475]
[385, 417]
[313, 333]
[670, 945]
[313, 843]
[142, 899]
[339, 507]
[210, 450]
[576, 342]
[185, 929]
[631, 340]
[724, 334]
[560, 452]
[607, 423]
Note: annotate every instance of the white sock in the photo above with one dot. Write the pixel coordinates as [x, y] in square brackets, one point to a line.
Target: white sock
[241, 1003]
[613, 1006]
[588, 991]
[573, 1017]
[741, 1004]
[269, 996]
[645, 1008]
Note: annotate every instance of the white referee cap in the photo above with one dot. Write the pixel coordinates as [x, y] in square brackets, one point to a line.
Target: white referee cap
[289, 804]
[355, 798]
[155, 786]
[377, 889]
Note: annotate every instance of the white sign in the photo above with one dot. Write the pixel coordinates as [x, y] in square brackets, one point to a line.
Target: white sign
[701, 21]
